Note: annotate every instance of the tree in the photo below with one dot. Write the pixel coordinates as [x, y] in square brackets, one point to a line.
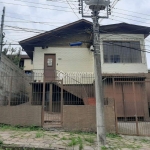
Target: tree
[13, 54]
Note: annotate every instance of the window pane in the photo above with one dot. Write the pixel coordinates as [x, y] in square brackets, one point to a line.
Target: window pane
[126, 52]
[135, 52]
[122, 52]
[108, 51]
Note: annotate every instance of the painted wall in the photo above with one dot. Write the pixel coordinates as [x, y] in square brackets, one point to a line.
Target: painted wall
[79, 59]
[27, 64]
[23, 115]
[68, 59]
[124, 67]
[85, 119]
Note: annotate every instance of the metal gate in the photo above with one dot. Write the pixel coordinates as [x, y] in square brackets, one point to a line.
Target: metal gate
[131, 106]
[52, 103]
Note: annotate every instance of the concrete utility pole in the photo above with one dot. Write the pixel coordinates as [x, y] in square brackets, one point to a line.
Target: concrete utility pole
[1, 32]
[96, 6]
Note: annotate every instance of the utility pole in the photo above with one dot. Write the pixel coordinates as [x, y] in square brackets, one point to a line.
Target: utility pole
[96, 6]
[1, 32]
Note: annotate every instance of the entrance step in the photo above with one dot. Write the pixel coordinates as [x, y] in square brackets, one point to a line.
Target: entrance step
[52, 127]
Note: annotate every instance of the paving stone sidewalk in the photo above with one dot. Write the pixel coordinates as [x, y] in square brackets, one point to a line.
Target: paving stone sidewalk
[70, 140]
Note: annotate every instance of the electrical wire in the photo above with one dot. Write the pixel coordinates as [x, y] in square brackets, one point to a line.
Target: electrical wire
[36, 7]
[131, 15]
[72, 10]
[107, 32]
[112, 7]
[132, 11]
[41, 4]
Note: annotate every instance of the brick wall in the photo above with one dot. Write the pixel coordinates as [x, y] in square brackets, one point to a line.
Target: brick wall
[84, 117]
[24, 115]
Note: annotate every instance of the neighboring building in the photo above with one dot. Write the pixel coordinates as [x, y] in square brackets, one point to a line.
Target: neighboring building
[122, 59]
[26, 63]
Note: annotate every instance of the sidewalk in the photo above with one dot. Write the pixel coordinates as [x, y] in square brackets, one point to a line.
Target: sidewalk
[26, 137]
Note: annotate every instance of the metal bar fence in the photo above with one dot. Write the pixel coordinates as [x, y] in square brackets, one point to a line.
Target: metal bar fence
[130, 94]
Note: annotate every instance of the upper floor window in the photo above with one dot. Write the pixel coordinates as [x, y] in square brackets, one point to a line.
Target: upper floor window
[122, 52]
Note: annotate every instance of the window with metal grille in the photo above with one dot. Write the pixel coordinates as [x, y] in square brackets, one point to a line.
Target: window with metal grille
[122, 52]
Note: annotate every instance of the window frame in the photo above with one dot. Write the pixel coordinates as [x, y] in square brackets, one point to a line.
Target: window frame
[122, 60]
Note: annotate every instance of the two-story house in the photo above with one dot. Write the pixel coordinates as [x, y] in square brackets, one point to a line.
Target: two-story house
[123, 62]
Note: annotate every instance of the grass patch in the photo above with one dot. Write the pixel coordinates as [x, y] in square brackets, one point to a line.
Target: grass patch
[55, 135]
[81, 146]
[89, 140]
[39, 135]
[130, 146]
[1, 142]
[104, 148]
[19, 128]
[64, 138]
[76, 141]
[145, 141]
[113, 136]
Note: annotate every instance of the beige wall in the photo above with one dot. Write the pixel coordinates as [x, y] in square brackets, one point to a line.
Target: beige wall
[79, 59]
[27, 64]
[84, 117]
[24, 115]
[72, 59]
[124, 67]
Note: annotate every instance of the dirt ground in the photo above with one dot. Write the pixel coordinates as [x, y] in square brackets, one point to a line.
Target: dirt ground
[58, 139]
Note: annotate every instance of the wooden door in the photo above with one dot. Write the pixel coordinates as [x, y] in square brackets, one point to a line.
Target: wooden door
[49, 67]
[128, 98]
[119, 100]
[125, 99]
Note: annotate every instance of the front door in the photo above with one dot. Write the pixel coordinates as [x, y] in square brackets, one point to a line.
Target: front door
[49, 67]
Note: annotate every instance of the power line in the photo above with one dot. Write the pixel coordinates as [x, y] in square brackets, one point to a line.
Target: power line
[41, 4]
[131, 15]
[101, 30]
[124, 22]
[132, 11]
[129, 19]
[72, 9]
[43, 17]
[36, 7]
[25, 28]
[35, 22]
[112, 6]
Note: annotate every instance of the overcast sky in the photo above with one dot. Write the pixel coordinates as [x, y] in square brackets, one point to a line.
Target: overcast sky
[31, 17]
